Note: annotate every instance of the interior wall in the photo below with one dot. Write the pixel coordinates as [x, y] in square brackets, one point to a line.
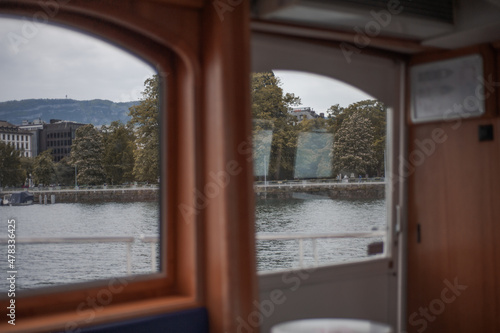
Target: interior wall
[378, 76]
[454, 198]
[365, 290]
[358, 290]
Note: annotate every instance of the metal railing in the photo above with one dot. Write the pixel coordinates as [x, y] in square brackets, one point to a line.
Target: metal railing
[314, 237]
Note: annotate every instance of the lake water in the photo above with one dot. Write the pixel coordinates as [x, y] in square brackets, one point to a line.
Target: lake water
[40, 265]
[316, 215]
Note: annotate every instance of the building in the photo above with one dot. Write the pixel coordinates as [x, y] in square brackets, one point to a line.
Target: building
[58, 136]
[17, 137]
[35, 127]
[305, 113]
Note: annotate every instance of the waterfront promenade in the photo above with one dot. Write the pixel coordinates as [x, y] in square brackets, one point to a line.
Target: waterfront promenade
[92, 194]
[334, 190]
[140, 193]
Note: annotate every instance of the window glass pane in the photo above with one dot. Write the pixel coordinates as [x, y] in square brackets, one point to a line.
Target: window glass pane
[319, 155]
[83, 193]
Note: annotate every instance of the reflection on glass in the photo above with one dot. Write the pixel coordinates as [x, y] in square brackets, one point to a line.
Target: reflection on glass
[81, 128]
[262, 151]
[314, 155]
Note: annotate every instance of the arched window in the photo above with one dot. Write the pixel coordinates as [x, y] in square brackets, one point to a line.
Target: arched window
[121, 246]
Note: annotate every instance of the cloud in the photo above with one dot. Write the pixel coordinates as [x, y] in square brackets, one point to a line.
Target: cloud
[56, 62]
[53, 62]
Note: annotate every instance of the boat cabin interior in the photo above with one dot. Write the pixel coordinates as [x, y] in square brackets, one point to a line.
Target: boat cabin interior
[435, 65]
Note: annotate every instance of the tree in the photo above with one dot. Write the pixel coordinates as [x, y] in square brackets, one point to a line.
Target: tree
[268, 100]
[353, 150]
[376, 112]
[86, 154]
[336, 115]
[118, 158]
[11, 173]
[64, 172]
[270, 108]
[146, 123]
[43, 168]
[27, 166]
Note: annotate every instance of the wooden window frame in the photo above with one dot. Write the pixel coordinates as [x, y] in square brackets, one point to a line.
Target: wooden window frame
[204, 55]
[60, 308]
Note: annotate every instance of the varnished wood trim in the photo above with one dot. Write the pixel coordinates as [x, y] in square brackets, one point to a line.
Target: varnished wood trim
[228, 217]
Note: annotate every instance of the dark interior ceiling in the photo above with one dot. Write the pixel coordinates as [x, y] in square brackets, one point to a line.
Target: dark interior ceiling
[420, 24]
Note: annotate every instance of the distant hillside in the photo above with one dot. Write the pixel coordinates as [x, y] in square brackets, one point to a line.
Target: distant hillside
[97, 111]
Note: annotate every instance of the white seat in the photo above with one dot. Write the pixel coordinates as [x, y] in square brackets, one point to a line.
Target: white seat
[325, 325]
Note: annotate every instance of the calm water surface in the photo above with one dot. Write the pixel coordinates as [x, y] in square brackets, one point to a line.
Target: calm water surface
[40, 265]
[316, 215]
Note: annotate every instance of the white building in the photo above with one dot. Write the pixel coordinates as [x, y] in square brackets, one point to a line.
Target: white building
[14, 136]
[35, 127]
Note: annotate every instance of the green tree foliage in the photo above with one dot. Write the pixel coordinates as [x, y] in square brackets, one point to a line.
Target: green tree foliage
[11, 172]
[270, 110]
[146, 123]
[336, 115]
[27, 166]
[353, 150]
[118, 157]
[86, 154]
[43, 168]
[376, 112]
[64, 172]
[268, 100]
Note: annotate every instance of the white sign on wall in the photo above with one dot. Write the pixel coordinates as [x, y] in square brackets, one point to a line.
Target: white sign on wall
[447, 89]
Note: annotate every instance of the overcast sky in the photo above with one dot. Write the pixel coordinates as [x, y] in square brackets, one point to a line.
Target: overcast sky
[50, 62]
[319, 92]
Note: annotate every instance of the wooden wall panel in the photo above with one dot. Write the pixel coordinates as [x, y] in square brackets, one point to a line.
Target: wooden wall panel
[495, 198]
[453, 196]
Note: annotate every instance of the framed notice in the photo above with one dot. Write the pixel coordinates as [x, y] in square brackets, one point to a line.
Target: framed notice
[447, 89]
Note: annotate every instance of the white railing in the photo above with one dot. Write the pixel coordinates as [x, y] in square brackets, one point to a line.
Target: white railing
[80, 188]
[314, 237]
[76, 240]
[153, 240]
